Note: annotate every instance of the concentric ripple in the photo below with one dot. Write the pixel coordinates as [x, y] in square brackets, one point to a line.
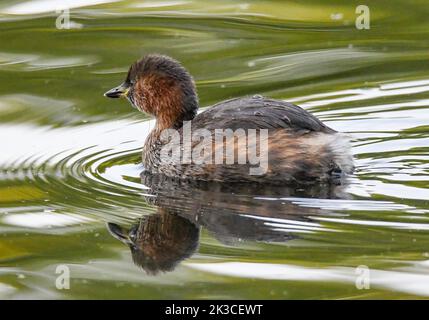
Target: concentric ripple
[87, 165]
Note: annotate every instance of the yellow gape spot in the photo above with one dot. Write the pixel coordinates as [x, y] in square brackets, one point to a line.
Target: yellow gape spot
[125, 93]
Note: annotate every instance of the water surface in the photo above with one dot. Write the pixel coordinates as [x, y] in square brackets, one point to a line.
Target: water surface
[70, 158]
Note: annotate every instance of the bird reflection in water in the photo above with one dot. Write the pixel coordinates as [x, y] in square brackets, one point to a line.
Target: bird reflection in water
[231, 213]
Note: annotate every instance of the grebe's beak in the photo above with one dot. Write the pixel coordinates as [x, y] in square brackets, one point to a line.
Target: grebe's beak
[119, 91]
[119, 233]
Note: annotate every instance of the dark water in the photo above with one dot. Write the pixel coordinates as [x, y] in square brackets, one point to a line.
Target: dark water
[70, 158]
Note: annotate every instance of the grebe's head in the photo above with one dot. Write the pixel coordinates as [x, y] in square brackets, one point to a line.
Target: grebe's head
[160, 241]
[160, 86]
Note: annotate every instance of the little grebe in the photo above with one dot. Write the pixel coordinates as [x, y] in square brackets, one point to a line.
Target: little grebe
[300, 148]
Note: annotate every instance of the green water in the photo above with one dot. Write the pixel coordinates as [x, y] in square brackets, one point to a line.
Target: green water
[69, 158]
